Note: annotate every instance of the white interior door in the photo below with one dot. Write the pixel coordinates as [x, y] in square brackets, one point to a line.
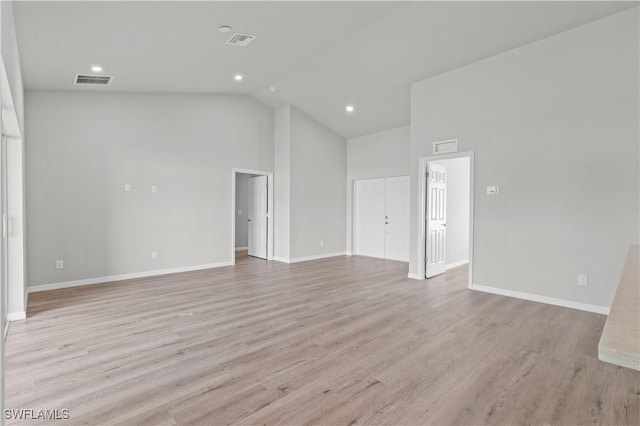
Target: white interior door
[369, 217]
[397, 218]
[257, 217]
[435, 219]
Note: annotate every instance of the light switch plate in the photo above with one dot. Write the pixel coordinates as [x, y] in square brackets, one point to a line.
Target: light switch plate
[127, 187]
[493, 190]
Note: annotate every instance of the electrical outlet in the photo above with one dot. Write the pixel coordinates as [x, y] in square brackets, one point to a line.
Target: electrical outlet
[127, 187]
[59, 264]
[154, 188]
[154, 255]
[493, 190]
[583, 279]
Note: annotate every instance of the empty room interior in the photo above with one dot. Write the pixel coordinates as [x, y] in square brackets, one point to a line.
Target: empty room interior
[320, 212]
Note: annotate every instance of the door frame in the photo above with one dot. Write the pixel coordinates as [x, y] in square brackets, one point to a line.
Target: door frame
[422, 208]
[270, 215]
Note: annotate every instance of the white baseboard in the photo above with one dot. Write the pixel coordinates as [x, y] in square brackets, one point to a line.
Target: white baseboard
[456, 264]
[598, 309]
[415, 276]
[307, 258]
[317, 256]
[16, 316]
[242, 248]
[108, 279]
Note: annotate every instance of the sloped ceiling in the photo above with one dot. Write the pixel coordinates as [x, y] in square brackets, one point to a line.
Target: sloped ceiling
[319, 55]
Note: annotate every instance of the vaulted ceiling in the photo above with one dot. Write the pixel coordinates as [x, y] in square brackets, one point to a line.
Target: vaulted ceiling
[320, 56]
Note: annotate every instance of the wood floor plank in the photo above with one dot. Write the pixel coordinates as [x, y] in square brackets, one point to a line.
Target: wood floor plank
[345, 340]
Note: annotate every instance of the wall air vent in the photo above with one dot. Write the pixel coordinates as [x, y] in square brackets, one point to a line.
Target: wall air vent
[92, 80]
[241, 39]
[443, 147]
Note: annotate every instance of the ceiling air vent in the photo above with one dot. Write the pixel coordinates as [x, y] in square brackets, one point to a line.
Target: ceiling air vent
[94, 80]
[241, 39]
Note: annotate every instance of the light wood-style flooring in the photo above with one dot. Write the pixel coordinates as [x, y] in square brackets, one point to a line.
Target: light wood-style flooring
[340, 341]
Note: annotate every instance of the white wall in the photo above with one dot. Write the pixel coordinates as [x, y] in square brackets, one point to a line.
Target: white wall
[85, 146]
[11, 59]
[311, 160]
[318, 173]
[282, 183]
[12, 101]
[556, 125]
[381, 154]
[458, 176]
[242, 204]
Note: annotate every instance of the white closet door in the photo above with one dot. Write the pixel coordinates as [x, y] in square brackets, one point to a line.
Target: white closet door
[369, 217]
[397, 218]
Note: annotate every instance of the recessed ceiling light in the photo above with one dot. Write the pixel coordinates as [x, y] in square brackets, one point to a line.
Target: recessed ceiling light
[96, 68]
[349, 108]
[224, 29]
[238, 77]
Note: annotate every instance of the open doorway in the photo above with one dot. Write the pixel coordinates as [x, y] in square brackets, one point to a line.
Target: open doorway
[252, 215]
[447, 237]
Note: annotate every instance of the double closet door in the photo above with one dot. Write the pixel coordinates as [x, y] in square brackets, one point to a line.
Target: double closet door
[382, 218]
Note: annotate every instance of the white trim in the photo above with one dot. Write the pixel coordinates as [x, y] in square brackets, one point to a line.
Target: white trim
[317, 256]
[415, 276]
[308, 258]
[270, 215]
[598, 309]
[242, 248]
[16, 316]
[422, 171]
[6, 330]
[112, 278]
[382, 258]
[456, 264]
